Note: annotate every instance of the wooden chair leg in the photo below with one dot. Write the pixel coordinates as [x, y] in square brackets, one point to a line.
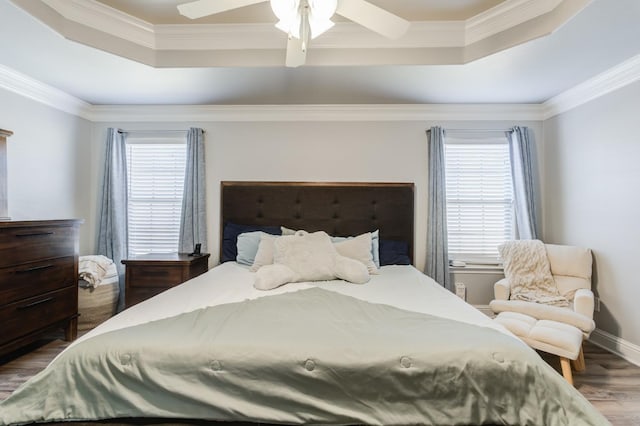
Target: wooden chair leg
[566, 369]
[579, 364]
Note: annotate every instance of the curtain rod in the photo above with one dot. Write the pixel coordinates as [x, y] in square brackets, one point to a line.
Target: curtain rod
[152, 132]
[477, 130]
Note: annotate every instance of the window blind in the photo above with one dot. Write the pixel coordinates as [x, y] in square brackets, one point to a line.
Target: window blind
[479, 198]
[155, 174]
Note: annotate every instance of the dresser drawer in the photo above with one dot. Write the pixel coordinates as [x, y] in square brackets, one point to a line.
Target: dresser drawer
[31, 279]
[154, 276]
[28, 315]
[19, 245]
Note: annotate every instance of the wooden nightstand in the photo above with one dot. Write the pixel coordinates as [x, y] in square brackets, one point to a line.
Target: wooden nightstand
[150, 274]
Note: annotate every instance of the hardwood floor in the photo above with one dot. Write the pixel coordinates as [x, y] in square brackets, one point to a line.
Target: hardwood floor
[610, 383]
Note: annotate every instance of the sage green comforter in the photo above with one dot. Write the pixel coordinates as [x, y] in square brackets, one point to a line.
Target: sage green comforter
[311, 356]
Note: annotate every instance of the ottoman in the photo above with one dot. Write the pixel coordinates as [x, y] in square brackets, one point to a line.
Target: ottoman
[553, 337]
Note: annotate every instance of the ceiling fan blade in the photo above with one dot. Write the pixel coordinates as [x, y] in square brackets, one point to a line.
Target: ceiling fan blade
[200, 8]
[374, 18]
[296, 55]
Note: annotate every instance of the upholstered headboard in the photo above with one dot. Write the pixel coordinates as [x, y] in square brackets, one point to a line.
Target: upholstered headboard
[336, 208]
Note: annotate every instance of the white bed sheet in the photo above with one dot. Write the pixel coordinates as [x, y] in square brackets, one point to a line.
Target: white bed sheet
[403, 287]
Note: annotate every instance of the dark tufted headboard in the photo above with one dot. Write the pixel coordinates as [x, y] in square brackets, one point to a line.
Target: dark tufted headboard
[336, 208]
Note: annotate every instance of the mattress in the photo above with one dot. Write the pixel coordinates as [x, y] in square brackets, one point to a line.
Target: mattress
[397, 350]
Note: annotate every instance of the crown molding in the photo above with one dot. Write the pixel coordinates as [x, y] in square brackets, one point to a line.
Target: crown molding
[160, 45]
[33, 89]
[106, 19]
[621, 75]
[626, 73]
[344, 35]
[28, 87]
[289, 113]
[504, 16]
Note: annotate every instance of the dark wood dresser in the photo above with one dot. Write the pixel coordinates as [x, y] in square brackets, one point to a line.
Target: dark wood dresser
[150, 274]
[38, 280]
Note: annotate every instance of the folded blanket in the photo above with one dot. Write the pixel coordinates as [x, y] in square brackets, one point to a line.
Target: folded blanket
[527, 268]
[93, 269]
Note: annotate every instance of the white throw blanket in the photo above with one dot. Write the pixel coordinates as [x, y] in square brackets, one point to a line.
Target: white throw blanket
[93, 269]
[526, 266]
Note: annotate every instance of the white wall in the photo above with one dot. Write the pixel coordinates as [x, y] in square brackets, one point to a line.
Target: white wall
[592, 167]
[47, 173]
[56, 162]
[390, 151]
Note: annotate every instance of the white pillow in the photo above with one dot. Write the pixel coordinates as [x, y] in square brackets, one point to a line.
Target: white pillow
[264, 255]
[247, 245]
[272, 276]
[374, 247]
[308, 257]
[358, 248]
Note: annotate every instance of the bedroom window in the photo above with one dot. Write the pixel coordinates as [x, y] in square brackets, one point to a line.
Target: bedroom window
[479, 198]
[155, 174]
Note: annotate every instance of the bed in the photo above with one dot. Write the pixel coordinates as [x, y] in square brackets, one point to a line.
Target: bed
[397, 350]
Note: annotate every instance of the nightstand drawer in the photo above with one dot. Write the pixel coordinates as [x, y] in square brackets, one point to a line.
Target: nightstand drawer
[149, 274]
[17, 244]
[23, 317]
[154, 276]
[31, 279]
[140, 294]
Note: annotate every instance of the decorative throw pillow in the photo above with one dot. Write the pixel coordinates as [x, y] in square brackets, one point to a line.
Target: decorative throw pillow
[308, 257]
[358, 248]
[375, 246]
[230, 237]
[264, 255]
[272, 276]
[248, 243]
[394, 253]
[526, 266]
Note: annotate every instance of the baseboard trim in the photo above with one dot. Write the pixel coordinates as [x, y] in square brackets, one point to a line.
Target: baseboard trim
[616, 345]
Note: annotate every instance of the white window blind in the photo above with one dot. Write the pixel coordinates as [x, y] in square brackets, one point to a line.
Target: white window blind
[155, 174]
[479, 198]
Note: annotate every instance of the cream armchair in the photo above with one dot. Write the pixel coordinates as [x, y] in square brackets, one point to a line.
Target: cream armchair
[571, 269]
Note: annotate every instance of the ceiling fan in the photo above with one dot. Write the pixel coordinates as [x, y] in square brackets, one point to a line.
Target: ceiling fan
[304, 20]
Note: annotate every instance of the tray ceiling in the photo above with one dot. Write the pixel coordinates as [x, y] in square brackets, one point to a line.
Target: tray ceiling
[441, 32]
[39, 45]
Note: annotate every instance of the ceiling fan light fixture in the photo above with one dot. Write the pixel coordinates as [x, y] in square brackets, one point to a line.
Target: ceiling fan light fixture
[320, 14]
[287, 12]
[294, 14]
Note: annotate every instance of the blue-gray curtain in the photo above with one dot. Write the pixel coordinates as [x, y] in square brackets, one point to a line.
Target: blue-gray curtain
[523, 183]
[437, 266]
[193, 220]
[112, 230]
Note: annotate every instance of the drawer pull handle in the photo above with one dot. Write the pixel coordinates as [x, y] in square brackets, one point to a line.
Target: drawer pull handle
[157, 273]
[35, 268]
[36, 303]
[34, 234]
